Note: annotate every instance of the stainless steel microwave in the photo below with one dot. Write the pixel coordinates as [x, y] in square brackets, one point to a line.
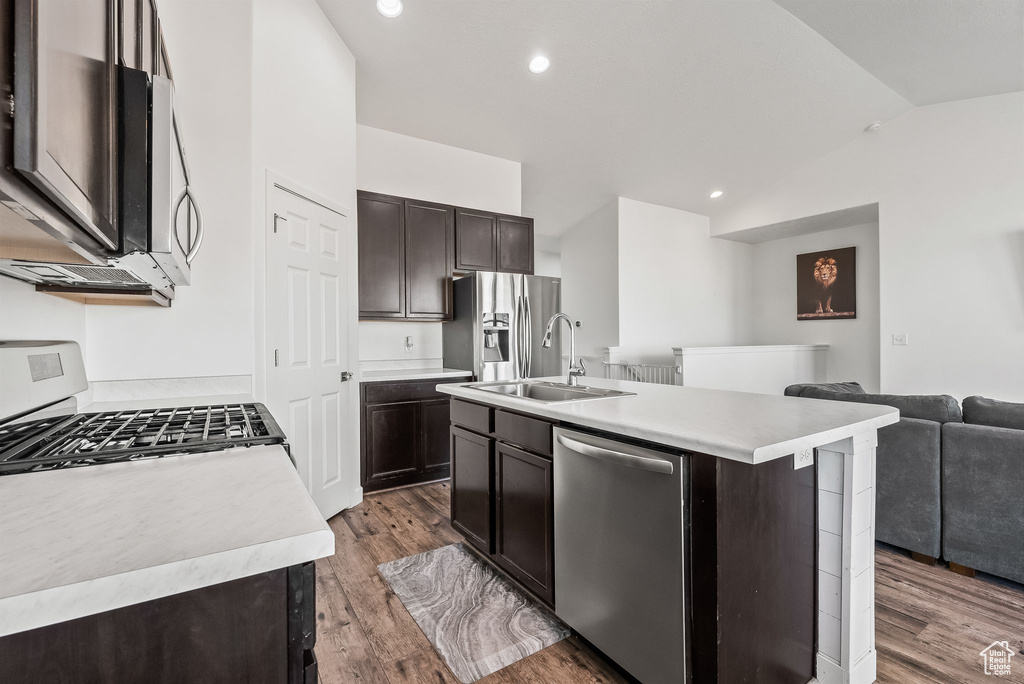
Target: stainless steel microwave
[159, 225]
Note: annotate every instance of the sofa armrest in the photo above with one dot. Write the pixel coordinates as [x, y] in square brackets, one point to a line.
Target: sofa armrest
[983, 498]
[908, 486]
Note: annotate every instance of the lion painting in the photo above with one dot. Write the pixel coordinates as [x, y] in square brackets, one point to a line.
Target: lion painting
[826, 284]
[825, 272]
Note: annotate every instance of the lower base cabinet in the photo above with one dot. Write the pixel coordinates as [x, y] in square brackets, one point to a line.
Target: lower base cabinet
[259, 629]
[502, 492]
[472, 458]
[404, 433]
[524, 524]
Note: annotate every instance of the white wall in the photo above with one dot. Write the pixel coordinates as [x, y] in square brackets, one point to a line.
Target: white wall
[949, 182]
[29, 315]
[853, 344]
[396, 164]
[590, 282]
[677, 286]
[209, 328]
[303, 129]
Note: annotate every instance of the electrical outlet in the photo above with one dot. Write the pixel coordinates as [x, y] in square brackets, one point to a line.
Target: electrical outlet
[900, 339]
[803, 458]
[408, 344]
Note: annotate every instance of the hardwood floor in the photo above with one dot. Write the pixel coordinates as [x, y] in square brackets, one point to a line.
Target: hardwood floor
[930, 623]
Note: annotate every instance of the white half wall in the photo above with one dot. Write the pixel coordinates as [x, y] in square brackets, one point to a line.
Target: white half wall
[208, 330]
[395, 164]
[677, 286]
[853, 352]
[949, 183]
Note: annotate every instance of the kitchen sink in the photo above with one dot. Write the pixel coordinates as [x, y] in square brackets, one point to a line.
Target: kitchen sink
[548, 392]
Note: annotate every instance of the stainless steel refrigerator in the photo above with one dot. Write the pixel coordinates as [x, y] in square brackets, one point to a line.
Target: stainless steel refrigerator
[498, 325]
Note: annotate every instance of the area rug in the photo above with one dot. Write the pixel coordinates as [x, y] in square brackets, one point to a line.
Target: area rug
[474, 618]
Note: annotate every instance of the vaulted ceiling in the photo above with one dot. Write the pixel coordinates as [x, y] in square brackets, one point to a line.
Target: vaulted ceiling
[664, 101]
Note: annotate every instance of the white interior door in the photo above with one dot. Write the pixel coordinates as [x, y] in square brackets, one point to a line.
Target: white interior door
[309, 389]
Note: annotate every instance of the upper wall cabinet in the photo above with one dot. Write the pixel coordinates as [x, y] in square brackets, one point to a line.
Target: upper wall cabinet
[405, 258]
[65, 108]
[476, 241]
[493, 242]
[429, 237]
[408, 250]
[515, 244]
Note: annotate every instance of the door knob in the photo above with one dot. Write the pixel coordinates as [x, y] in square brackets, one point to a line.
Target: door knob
[346, 376]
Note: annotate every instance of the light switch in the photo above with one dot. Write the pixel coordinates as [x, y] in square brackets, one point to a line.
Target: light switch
[900, 340]
[803, 458]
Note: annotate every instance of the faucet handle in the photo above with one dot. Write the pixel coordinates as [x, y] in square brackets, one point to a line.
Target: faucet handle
[579, 369]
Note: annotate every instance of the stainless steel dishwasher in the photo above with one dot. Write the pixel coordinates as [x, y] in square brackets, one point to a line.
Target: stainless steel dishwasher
[619, 552]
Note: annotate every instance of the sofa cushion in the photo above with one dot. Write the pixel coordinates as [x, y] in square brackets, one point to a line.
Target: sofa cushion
[908, 512]
[841, 387]
[941, 408]
[994, 413]
[982, 509]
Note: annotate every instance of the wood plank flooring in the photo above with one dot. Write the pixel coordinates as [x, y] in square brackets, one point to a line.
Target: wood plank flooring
[930, 623]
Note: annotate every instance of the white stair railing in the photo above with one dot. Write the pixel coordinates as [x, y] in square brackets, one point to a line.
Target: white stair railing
[618, 368]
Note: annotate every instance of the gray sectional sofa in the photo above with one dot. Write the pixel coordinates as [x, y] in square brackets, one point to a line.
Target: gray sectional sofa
[949, 483]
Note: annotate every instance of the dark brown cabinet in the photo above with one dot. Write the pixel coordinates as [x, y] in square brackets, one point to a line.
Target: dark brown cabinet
[472, 458]
[408, 250]
[429, 233]
[477, 241]
[405, 258]
[392, 431]
[381, 256]
[404, 432]
[523, 539]
[503, 492]
[515, 244]
[493, 242]
[65, 107]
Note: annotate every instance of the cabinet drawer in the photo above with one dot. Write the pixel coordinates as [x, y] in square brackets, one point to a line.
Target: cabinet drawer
[473, 416]
[386, 392]
[529, 433]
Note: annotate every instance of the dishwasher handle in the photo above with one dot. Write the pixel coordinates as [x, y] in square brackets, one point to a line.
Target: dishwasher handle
[654, 465]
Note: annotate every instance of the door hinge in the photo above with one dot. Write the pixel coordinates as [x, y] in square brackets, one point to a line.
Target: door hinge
[276, 358]
[278, 217]
[10, 102]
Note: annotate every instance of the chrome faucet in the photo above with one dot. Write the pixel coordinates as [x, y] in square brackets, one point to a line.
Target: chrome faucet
[576, 366]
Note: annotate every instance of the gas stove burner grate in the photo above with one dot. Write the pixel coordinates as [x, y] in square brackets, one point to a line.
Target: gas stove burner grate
[111, 436]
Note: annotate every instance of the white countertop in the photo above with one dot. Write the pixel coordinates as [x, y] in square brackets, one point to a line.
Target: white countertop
[80, 541]
[742, 426]
[413, 374]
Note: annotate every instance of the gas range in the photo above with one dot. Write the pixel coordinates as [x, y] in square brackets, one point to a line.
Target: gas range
[111, 436]
[41, 430]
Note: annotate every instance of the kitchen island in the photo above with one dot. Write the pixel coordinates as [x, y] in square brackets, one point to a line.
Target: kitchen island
[773, 580]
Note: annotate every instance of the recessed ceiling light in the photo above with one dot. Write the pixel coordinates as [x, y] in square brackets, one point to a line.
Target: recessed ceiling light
[539, 64]
[716, 194]
[873, 126]
[389, 8]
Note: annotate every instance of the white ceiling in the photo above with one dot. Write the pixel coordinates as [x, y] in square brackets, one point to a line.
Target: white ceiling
[660, 101]
[928, 51]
